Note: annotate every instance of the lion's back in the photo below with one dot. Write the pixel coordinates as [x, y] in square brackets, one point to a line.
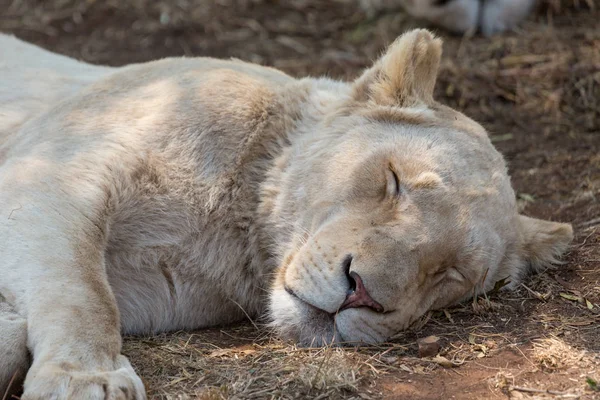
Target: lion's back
[33, 79]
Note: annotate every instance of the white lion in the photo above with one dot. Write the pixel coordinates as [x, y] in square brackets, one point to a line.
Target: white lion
[167, 195]
[460, 16]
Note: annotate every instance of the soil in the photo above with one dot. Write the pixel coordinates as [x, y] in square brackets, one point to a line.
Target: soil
[536, 90]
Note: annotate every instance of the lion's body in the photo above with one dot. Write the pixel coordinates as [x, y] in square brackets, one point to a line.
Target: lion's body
[165, 169]
[165, 196]
[179, 190]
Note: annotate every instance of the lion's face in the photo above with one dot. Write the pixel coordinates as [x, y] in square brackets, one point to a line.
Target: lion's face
[409, 208]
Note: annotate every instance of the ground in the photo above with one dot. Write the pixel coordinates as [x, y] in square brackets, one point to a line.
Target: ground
[537, 91]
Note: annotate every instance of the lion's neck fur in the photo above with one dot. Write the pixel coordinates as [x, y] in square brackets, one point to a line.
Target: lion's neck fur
[234, 215]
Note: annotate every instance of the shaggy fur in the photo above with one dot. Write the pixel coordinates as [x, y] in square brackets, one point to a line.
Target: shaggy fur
[184, 193]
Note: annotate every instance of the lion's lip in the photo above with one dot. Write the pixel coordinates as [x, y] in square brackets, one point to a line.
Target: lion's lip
[338, 338]
[291, 292]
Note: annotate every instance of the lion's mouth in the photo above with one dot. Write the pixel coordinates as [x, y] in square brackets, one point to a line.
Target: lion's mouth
[297, 297]
[318, 327]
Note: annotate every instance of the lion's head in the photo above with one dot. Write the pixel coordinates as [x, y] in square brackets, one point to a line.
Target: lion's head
[404, 207]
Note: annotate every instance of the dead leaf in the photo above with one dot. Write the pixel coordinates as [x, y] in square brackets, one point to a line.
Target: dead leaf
[444, 362]
[406, 368]
[570, 297]
[389, 359]
[447, 314]
[589, 304]
[472, 339]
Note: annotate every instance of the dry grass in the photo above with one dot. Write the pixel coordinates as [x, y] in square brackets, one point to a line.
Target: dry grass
[251, 365]
[547, 80]
[554, 354]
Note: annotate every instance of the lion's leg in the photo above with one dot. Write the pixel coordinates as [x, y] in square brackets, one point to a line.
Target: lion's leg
[499, 15]
[14, 357]
[74, 335]
[52, 239]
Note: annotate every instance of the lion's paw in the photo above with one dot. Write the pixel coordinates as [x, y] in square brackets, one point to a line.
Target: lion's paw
[500, 15]
[53, 382]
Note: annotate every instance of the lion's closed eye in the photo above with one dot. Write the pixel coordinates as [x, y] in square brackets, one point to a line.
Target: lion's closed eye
[444, 273]
[393, 188]
[454, 273]
[439, 275]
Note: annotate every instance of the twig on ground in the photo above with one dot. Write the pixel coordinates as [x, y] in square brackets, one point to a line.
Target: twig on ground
[545, 391]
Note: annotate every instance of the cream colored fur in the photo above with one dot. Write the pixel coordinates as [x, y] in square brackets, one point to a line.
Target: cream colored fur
[185, 193]
[462, 16]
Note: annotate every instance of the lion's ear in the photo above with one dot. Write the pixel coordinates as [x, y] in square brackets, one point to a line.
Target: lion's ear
[405, 75]
[543, 241]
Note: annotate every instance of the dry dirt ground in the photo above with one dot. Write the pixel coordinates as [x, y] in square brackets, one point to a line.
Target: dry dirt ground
[537, 91]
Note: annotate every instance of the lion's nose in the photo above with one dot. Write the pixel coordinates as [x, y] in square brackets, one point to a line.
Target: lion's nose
[358, 296]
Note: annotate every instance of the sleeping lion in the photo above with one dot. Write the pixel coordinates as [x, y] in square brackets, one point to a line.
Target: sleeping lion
[190, 192]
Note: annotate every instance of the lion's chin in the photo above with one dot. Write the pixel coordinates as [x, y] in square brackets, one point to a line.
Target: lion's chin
[308, 326]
